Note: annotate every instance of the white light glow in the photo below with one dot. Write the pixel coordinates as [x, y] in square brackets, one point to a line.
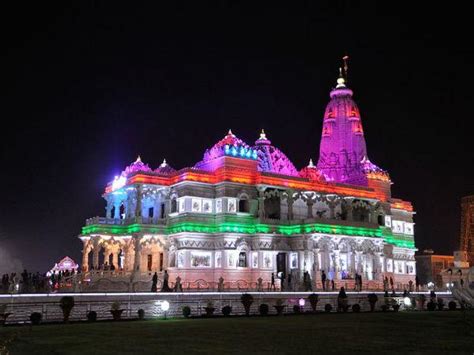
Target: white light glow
[118, 182]
[165, 305]
[407, 301]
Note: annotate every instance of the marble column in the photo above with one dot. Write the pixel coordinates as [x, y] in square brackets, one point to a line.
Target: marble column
[261, 203]
[138, 207]
[138, 254]
[85, 256]
[349, 208]
[290, 202]
[95, 256]
[310, 203]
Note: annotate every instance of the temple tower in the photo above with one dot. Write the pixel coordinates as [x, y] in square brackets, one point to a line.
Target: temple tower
[343, 149]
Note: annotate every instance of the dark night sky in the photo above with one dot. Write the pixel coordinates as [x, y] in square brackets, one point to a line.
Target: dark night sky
[89, 87]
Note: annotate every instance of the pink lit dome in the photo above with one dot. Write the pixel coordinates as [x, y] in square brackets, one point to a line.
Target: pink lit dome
[272, 159]
[164, 168]
[230, 145]
[135, 167]
[373, 172]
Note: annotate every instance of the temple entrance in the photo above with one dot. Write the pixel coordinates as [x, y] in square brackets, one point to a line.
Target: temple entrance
[281, 265]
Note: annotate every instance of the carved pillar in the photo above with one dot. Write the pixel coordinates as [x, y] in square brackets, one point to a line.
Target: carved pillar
[165, 258]
[115, 259]
[337, 265]
[332, 203]
[290, 202]
[261, 202]
[85, 256]
[95, 254]
[117, 210]
[138, 207]
[310, 203]
[108, 209]
[138, 254]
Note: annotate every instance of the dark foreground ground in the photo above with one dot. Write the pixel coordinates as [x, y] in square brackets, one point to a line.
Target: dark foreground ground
[427, 332]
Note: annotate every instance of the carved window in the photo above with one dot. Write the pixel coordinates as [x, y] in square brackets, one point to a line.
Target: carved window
[244, 205]
[242, 259]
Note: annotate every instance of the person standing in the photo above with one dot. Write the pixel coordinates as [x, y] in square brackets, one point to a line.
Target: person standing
[272, 286]
[154, 282]
[323, 279]
[165, 287]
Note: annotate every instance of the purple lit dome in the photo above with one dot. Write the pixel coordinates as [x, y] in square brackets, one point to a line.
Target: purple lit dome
[229, 145]
[272, 159]
[311, 172]
[135, 167]
[372, 171]
[164, 169]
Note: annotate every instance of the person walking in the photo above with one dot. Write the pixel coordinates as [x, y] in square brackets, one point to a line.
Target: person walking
[154, 282]
[272, 286]
[323, 279]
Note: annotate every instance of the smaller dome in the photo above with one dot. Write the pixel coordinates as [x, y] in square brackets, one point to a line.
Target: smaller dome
[135, 167]
[164, 168]
[229, 145]
[372, 171]
[272, 159]
[311, 172]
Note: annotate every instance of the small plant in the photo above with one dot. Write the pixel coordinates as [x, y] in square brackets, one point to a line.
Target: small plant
[36, 318]
[422, 301]
[356, 308]
[263, 309]
[186, 311]
[92, 316]
[431, 306]
[67, 304]
[395, 307]
[141, 314]
[247, 300]
[116, 311]
[296, 309]
[279, 306]
[226, 311]
[372, 298]
[327, 307]
[209, 308]
[313, 300]
[452, 306]
[440, 304]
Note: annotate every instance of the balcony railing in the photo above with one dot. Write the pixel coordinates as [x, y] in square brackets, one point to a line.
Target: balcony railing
[125, 221]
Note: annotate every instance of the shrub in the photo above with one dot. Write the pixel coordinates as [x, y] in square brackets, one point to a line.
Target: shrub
[452, 306]
[35, 318]
[372, 298]
[431, 306]
[385, 307]
[141, 314]
[440, 304]
[247, 301]
[396, 307]
[115, 306]
[226, 310]
[263, 309]
[92, 316]
[356, 308]
[186, 311]
[116, 311]
[66, 303]
[328, 307]
[209, 308]
[296, 309]
[313, 300]
[422, 300]
[279, 306]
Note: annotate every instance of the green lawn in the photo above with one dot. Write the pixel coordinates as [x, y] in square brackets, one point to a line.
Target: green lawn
[364, 332]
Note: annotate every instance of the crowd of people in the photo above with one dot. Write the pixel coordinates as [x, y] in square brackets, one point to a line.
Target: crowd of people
[28, 282]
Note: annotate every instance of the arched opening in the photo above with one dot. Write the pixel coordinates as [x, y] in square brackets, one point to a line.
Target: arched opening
[242, 259]
[244, 205]
[149, 262]
[162, 211]
[111, 260]
[112, 212]
[380, 220]
[174, 206]
[122, 211]
[101, 258]
[272, 207]
[90, 260]
[151, 212]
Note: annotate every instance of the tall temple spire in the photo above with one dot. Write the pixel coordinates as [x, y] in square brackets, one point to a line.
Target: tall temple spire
[343, 145]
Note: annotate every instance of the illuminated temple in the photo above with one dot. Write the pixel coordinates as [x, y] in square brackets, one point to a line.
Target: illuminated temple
[245, 211]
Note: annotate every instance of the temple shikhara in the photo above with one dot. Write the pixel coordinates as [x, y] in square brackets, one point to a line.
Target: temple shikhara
[245, 211]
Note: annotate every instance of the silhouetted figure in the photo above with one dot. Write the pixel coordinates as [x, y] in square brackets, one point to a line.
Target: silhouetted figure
[332, 285]
[165, 287]
[272, 285]
[323, 279]
[154, 282]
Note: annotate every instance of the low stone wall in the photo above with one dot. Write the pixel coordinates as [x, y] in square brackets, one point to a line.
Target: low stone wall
[22, 305]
